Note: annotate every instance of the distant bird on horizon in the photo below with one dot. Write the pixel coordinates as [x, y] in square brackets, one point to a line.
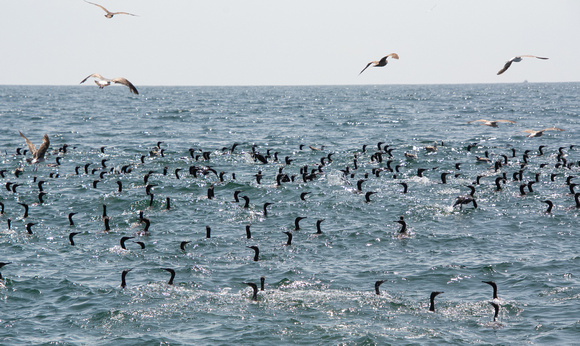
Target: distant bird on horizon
[37, 155]
[491, 123]
[103, 82]
[380, 63]
[517, 59]
[109, 13]
[533, 133]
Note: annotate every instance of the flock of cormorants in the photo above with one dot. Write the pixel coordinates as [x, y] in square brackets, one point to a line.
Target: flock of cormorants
[387, 163]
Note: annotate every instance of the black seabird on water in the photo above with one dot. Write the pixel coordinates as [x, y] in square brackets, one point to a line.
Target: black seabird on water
[172, 275]
[247, 204]
[123, 275]
[25, 210]
[377, 285]
[248, 232]
[29, 227]
[254, 287]
[256, 252]
[368, 196]
[289, 234]
[122, 242]
[432, 300]
[70, 220]
[70, 237]
[318, 222]
[403, 225]
[303, 195]
[550, 206]
[404, 187]
[265, 208]
[297, 222]
[182, 245]
[140, 243]
[494, 286]
[207, 232]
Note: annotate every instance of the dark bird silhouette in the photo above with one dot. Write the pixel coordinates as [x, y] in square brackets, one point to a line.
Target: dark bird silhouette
[517, 59]
[170, 282]
[432, 300]
[382, 62]
[207, 232]
[318, 222]
[303, 195]
[368, 196]
[550, 206]
[123, 275]
[403, 225]
[289, 234]
[29, 227]
[248, 232]
[182, 245]
[25, 210]
[254, 287]
[265, 208]
[70, 220]
[262, 281]
[494, 286]
[256, 252]
[122, 242]
[247, 204]
[140, 243]
[297, 222]
[70, 237]
[405, 186]
[377, 285]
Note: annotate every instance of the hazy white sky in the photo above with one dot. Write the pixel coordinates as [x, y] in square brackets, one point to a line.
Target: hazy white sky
[299, 42]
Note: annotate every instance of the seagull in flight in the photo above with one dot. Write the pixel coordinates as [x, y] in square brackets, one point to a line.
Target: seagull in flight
[109, 14]
[533, 133]
[517, 59]
[37, 155]
[382, 62]
[492, 123]
[103, 82]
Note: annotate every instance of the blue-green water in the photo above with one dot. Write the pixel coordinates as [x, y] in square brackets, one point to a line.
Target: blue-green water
[319, 290]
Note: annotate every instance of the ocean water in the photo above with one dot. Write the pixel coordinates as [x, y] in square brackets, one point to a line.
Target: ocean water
[320, 289]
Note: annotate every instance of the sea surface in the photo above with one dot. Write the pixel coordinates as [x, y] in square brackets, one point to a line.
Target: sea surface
[320, 289]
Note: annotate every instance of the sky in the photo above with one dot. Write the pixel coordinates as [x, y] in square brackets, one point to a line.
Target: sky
[299, 42]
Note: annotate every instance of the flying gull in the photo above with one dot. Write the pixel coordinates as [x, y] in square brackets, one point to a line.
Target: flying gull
[380, 63]
[533, 133]
[492, 123]
[103, 82]
[37, 155]
[517, 59]
[109, 14]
